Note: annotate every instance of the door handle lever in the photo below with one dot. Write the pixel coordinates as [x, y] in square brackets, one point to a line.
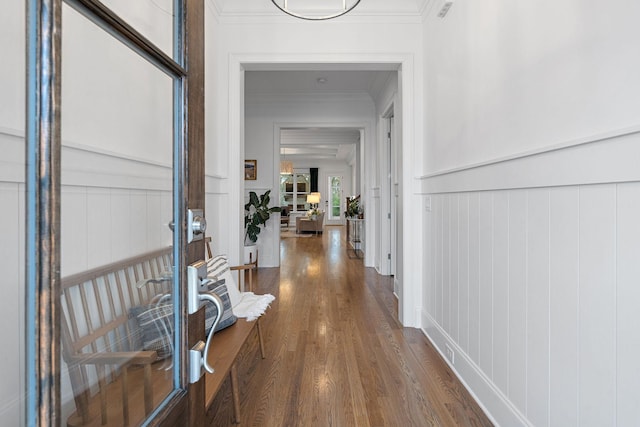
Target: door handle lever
[197, 282]
[199, 354]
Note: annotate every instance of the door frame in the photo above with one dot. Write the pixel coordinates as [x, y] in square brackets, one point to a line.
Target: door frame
[43, 164]
[388, 191]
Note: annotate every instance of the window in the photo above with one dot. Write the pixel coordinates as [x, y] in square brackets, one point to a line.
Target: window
[294, 189]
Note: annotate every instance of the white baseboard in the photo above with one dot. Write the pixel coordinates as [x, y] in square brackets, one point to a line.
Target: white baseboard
[494, 403]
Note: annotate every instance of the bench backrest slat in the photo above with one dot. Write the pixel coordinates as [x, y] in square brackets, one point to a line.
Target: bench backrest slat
[95, 313]
[93, 317]
[117, 345]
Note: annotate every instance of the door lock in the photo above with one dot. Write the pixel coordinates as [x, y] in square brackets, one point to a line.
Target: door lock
[196, 225]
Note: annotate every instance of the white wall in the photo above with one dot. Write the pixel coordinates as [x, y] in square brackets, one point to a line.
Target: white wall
[536, 291]
[504, 78]
[12, 249]
[532, 193]
[265, 114]
[12, 304]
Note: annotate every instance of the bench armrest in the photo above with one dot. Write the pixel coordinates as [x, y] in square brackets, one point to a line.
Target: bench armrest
[243, 267]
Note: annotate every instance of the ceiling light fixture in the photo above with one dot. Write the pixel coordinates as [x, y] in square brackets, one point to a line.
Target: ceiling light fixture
[286, 166]
[347, 6]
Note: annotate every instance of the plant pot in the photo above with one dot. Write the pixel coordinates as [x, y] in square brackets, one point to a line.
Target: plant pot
[250, 253]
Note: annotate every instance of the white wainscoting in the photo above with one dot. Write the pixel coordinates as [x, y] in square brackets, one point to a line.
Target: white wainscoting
[220, 221]
[112, 208]
[538, 292]
[102, 225]
[12, 303]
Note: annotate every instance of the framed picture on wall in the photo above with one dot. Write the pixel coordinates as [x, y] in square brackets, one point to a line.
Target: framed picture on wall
[250, 170]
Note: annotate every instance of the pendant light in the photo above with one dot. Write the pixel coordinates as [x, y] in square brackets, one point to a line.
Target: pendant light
[347, 6]
[286, 166]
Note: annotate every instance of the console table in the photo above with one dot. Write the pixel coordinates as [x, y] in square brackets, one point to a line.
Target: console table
[355, 237]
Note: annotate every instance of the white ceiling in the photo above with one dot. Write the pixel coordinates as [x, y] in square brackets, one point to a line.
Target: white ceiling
[365, 8]
[333, 81]
[317, 143]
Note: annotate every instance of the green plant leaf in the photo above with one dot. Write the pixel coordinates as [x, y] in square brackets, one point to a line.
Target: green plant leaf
[253, 199]
[257, 213]
[265, 199]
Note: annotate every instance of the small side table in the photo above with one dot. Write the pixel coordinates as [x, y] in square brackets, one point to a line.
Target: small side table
[355, 237]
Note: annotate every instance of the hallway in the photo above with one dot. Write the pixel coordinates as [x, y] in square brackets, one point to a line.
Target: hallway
[336, 355]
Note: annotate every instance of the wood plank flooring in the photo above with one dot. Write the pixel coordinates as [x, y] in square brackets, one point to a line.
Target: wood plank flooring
[336, 355]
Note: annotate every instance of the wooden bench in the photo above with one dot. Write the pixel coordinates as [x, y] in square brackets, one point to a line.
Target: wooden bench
[226, 348]
[114, 382]
[99, 340]
[226, 344]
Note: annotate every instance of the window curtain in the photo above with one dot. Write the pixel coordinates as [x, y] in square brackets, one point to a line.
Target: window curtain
[314, 179]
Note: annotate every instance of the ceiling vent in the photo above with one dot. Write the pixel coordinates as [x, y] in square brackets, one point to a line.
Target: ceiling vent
[445, 8]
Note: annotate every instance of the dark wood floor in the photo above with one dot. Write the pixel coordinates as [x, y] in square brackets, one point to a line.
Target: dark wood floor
[336, 355]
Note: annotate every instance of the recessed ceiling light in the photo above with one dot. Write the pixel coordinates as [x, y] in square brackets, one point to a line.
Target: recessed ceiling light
[321, 80]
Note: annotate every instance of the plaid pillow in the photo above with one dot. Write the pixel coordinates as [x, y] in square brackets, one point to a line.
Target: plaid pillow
[217, 266]
[155, 322]
[228, 318]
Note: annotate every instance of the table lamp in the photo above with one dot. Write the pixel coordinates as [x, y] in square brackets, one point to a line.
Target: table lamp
[313, 199]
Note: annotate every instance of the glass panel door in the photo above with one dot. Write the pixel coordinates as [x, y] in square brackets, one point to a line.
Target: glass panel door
[153, 18]
[117, 327]
[106, 160]
[335, 198]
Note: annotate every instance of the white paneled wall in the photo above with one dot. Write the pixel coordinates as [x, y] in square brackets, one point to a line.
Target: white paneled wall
[537, 290]
[112, 208]
[102, 225]
[12, 302]
[627, 297]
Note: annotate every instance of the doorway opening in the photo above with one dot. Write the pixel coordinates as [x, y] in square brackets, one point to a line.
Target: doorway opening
[310, 108]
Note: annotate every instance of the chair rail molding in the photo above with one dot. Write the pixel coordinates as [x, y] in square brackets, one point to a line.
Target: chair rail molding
[605, 158]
